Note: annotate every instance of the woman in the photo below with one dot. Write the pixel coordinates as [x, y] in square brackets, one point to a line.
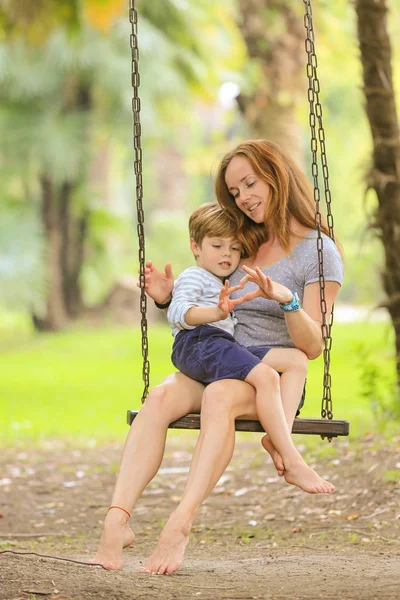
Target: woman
[272, 203]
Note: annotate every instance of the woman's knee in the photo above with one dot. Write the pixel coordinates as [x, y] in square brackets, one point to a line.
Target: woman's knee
[174, 397]
[299, 361]
[158, 399]
[228, 399]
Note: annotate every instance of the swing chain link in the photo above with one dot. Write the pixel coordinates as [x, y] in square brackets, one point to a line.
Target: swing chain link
[133, 18]
[316, 115]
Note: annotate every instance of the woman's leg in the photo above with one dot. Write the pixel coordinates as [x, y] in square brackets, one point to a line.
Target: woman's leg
[223, 402]
[272, 417]
[293, 365]
[141, 459]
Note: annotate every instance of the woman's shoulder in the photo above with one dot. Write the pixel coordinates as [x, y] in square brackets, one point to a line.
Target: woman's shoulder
[310, 245]
[307, 258]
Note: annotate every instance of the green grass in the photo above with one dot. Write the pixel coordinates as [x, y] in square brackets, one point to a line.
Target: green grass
[79, 383]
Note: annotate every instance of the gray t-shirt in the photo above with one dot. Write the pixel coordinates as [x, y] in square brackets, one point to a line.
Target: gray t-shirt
[261, 321]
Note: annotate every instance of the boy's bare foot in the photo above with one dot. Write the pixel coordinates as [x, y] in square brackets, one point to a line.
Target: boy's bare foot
[116, 535]
[274, 454]
[307, 479]
[170, 549]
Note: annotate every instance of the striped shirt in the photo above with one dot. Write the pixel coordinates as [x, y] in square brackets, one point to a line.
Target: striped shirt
[195, 287]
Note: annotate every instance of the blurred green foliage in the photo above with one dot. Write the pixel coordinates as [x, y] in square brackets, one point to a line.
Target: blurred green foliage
[187, 50]
[80, 383]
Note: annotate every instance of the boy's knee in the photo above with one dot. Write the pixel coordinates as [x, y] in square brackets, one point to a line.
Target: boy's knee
[264, 375]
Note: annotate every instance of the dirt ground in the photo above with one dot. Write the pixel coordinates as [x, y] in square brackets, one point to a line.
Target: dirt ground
[256, 537]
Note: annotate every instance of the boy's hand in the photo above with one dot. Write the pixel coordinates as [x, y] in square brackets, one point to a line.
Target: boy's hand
[225, 304]
[158, 284]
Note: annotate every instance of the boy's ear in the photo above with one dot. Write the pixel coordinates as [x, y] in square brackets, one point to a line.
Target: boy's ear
[194, 247]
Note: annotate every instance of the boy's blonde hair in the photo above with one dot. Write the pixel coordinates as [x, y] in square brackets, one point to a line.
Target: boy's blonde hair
[210, 220]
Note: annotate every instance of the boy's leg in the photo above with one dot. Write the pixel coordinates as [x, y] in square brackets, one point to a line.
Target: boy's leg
[293, 365]
[273, 419]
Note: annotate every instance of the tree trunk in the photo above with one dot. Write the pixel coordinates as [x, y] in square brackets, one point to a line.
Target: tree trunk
[274, 34]
[73, 233]
[55, 315]
[65, 233]
[384, 176]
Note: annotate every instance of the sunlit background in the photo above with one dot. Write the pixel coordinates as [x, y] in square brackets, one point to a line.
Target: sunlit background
[212, 73]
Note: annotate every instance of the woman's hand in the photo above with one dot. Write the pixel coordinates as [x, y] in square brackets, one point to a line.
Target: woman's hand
[158, 284]
[271, 290]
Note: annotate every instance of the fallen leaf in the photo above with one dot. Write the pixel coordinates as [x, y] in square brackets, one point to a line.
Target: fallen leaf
[296, 530]
[241, 492]
[351, 517]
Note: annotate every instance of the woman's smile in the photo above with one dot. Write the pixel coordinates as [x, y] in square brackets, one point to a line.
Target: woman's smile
[254, 207]
[249, 191]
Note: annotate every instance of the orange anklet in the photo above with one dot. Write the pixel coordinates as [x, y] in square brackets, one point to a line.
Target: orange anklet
[120, 508]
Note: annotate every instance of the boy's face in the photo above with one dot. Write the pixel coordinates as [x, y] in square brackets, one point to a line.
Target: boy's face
[218, 255]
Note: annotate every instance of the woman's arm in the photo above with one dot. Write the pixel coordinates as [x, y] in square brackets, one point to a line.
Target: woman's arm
[304, 325]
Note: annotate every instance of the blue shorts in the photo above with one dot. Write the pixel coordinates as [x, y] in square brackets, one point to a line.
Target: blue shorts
[207, 353]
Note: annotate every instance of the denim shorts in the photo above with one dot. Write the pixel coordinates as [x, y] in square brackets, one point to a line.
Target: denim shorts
[207, 353]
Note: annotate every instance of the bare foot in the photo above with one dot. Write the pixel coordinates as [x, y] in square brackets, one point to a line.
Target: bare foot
[170, 549]
[307, 479]
[274, 454]
[116, 535]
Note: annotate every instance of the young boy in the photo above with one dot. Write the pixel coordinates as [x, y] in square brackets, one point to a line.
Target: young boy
[204, 348]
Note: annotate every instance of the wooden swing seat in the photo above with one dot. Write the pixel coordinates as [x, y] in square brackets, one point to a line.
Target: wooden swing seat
[324, 427]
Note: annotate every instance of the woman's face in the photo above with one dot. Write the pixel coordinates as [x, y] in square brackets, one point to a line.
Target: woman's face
[250, 192]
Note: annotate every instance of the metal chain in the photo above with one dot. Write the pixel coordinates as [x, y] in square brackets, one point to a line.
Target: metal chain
[316, 115]
[133, 18]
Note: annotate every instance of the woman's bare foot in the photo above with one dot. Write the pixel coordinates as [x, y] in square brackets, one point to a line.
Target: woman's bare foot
[307, 479]
[116, 535]
[274, 454]
[170, 549]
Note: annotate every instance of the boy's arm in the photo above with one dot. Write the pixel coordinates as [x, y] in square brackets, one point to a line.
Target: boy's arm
[199, 315]
[184, 312]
